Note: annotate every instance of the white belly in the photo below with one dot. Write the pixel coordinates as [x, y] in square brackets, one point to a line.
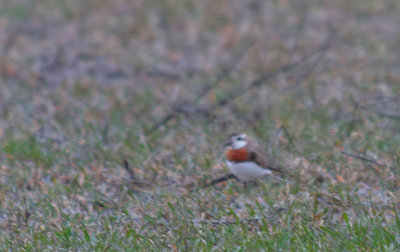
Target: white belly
[246, 171]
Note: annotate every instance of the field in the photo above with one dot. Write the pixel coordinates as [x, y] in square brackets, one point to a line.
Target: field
[113, 115]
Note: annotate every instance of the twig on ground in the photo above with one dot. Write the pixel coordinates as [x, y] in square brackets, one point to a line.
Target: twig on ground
[381, 101]
[286, 132]
[220, 180]
[362, 158]
[27, 214]
[276, 169]
[268, 76]
[132, 178]
[380, 113]
[129, 170]
[277, 178]
[162, 122]
[226, 222]
[275, 73]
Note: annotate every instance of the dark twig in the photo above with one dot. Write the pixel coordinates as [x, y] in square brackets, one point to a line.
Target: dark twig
[380, 113]
[268, 76]
[226, 222]
[27, 214]
[132, 179]
[286, 132]
[363, 158]
[276, 169]
[162, 122]
[220, 180]
[129, 170]
[381, 100]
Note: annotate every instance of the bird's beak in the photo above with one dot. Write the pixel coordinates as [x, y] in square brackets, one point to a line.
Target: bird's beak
[227, 144]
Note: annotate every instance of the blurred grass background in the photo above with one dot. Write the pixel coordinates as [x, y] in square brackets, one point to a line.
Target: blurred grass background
[84, 85]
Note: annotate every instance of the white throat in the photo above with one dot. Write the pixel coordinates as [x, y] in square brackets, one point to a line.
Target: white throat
[238, 144]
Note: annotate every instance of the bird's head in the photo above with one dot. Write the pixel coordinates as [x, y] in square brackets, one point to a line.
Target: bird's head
[236, 140]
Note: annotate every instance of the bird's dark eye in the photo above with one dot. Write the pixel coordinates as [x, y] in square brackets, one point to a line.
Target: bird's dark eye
[239, 138]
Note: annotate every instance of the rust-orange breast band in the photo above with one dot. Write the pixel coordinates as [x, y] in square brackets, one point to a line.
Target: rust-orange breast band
[237, 155]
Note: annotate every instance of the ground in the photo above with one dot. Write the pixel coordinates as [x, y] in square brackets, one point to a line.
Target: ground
[86, 86]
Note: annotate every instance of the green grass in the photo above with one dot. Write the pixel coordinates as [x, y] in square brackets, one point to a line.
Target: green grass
[68, 122]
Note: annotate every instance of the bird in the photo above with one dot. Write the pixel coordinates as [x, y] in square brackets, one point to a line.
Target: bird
[246, 159]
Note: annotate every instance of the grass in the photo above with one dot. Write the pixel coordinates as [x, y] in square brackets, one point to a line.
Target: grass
[80, 93]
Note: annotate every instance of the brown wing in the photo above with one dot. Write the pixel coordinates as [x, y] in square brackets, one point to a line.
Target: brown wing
[257, 154]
